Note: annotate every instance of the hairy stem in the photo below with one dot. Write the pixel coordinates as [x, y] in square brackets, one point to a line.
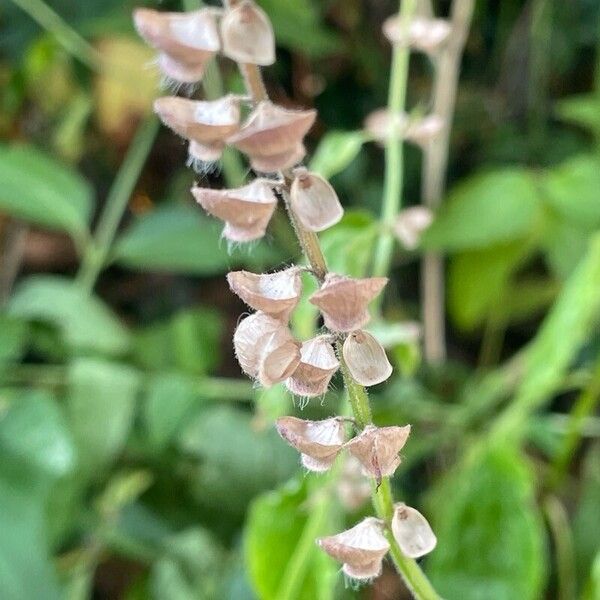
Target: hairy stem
[435, 162]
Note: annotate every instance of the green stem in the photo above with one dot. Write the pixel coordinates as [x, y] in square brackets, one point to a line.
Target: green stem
[96, 254]
[394, 154]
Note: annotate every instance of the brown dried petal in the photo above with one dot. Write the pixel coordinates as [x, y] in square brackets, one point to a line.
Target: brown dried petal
[318, 441]
[377, 449]
[411, 223]
[365, 358]
[360, 548]
[317, 365]
[275, 294]
[314, 201]
[412, 531]
[343, 301]
[247, 35]
[423, 34]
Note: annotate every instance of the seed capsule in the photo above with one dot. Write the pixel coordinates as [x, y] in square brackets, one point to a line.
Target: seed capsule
[343, 301]
[426, 35]
[377, 449]
[247, 35]
[410, 224]
[246, 210]
[360, 549]
[412, 531]
[275, 294]
[318, 441]
[266, 349]
[187, 41]
[272, 136]
[314, 201]
[317, 365]
[365, 358]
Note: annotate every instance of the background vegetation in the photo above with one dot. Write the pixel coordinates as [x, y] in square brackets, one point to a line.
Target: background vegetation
[136, 461]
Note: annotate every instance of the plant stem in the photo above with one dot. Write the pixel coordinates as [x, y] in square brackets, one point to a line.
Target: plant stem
[435, 163]
[116, 203]
[394, 148]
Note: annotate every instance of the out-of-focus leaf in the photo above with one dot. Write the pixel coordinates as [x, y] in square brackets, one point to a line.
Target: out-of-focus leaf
[101, 402]
[13, 335]
[37, 188]
[168, 400]
[487, 209]
[564, 245]
[335, 152]
[572, 190]
[85, 321]
[274, 527]
[234, 457]
[180, 239]
[123, 489]
[189, 341]
[583, 110]
[490, 535]
[592, 588]
[526, 298]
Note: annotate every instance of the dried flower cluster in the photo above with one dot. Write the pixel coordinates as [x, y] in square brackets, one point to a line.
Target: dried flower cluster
[271, 137]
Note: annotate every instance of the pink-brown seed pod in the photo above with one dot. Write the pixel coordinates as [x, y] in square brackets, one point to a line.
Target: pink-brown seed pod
[343, 301]
[205, 153]
[365, 358]
[179, 71]
[318, 442]
[426, 35]
[246, 210]
[205, 122]
[247, 35]
[412, 531]
[377, 449]
[314, 201]
[272, 130]
[279, 358]
[318, 363]
[275, 294]
[278, 162]
[361, 549]
[410, 225]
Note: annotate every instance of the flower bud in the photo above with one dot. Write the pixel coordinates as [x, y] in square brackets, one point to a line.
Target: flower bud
[314, 201]
[246, 210]
[410, 224]
[422, 131]
[186, 41]
[247, 35]
[343, 301]
[412, 531]
[426, 35]
[272, 136]
[266, 349]
[381, 125]
[360, 549]
[318, 441]
[377, 449]
[365, 358]
[317, 365]
[275, 294]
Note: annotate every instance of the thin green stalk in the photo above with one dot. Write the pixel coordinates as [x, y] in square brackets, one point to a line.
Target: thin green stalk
[96, 254]
[394, 149]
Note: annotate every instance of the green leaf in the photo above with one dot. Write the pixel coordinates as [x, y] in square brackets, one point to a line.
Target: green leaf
[490, 535]
[180, 239]
[101, 402]
[37, 188]
[487, 209]
[85, 321]
[13, 336]
[583, 110]
[564, 245]
[592, 588]
[335, 152]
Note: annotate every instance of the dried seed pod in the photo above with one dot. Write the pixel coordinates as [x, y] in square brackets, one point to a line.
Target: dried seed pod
[343, 301]
[410, 224]
[377, 449]
[314, 201]
[205, 153]
[245, 210]
[353, 489]
[360, 549]
[365, 358]
[426, 35]
[272, 135]
[317, 365]
[203, 122]
[318, 441]
[412, 531]
[275, 294]
[186, 40]
[266, 349]
[247, 35]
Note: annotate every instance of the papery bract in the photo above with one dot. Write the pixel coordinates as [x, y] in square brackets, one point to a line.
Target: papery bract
[365, 358]
[412, 531]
